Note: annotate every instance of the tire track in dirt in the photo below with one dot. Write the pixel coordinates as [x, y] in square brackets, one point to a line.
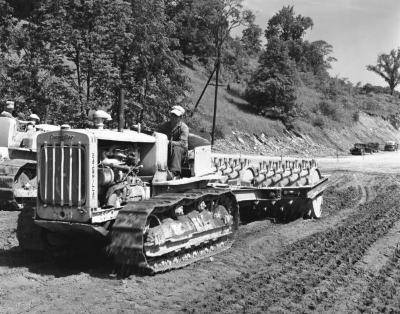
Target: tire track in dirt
[308, 272]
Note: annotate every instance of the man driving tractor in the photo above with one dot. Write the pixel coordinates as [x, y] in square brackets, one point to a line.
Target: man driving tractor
[178, 134]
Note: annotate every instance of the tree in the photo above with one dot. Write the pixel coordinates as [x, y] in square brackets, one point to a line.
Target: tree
[30, 71]
[314, 57]
[387, 67]
[203, 26]
[6, 23]
[216, 19]
[286, 26]
[273, 85]
[235, 61]
[317, 59]
[251, 36]
[289, 28]
[140, 44]
[72, 32]
[191, 27]
[70, 56]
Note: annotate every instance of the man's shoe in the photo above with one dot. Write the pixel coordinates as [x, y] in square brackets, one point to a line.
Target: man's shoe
[170, 175]
[177, 175]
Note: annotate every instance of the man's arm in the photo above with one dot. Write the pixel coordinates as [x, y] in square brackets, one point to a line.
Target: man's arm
[164, 128]
[184, 136]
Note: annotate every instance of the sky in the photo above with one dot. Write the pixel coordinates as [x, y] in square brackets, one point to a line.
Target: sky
[358, 30]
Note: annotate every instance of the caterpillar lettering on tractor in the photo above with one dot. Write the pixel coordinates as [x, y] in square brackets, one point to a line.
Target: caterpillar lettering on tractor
[112, 187]
[18, 162]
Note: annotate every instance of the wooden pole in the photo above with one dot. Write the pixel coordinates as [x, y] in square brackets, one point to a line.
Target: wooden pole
[204, 89]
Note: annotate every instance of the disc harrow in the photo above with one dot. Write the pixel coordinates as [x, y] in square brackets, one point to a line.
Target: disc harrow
[266, 173]
[277, 189]
[145, 235]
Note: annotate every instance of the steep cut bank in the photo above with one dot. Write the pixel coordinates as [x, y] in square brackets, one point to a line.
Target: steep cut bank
[240, 129]
[311, 141]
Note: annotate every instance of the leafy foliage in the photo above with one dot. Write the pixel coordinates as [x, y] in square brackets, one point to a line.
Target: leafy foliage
[61, 59]
[286, 26]
[31, 71]
[251, 36]
[388, 67]
[272, 87]
[203, 31]
[72, 56]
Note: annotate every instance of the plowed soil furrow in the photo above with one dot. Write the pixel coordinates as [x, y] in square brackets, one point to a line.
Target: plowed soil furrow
[383, 293]
[347, 298]
[309, 270]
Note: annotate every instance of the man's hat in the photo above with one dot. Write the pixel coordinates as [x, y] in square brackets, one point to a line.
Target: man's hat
[178, 110]
[34, 117]
[10, 104]
[101, 114]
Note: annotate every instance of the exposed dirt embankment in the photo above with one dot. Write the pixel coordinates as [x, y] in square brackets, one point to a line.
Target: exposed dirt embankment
[240, 129]
[311, 141]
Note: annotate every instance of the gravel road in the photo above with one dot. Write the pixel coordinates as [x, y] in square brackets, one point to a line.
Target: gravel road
[345, 262]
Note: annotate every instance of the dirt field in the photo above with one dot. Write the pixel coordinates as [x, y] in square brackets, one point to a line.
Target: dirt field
[348, 261]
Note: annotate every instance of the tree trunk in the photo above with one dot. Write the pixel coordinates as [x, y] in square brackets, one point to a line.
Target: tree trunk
[121, 98]
[392, 87]
[121, 120]
[46, 113]
[88, 82]
[78, 75]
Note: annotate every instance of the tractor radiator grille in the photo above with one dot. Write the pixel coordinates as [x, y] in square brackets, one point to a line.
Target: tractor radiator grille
[62, 175]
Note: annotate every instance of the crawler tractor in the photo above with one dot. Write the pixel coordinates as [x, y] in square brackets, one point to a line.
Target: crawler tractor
[18, 163]
[112, 186]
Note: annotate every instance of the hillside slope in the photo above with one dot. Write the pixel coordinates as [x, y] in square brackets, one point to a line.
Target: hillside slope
[239, 129]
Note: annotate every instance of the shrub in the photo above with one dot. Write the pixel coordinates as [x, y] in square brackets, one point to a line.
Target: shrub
[356, 116]
[332, 110]
[220, 132]
[273, 84]
[318, 122]
[327, 108]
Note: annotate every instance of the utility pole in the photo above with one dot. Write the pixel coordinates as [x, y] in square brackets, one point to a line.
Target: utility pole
[204, 89]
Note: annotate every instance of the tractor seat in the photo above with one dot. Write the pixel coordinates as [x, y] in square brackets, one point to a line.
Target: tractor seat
[187, 162]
